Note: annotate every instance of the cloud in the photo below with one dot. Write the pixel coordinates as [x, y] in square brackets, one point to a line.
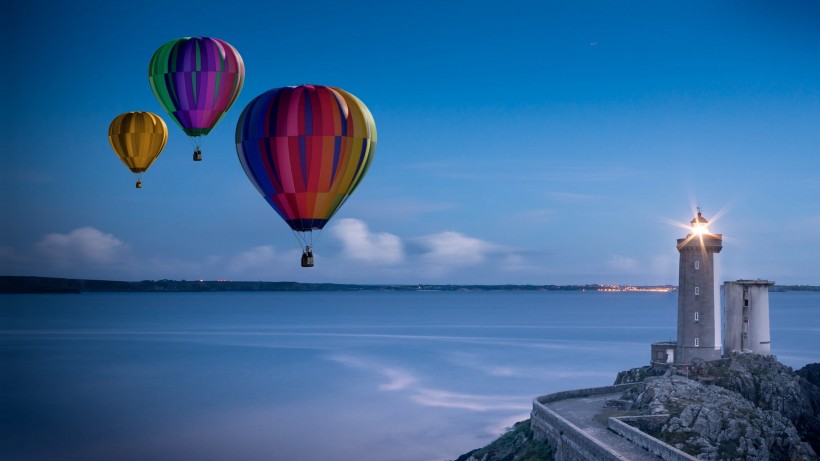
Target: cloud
[361, 244]
[452, 249]
[82, 246]
[260, 257]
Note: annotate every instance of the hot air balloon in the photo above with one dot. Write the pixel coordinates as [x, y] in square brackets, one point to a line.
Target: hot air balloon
[138, 138]
[196, 80]
[306, 148]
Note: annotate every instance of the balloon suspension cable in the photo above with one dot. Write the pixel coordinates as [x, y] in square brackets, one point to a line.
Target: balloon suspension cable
[307, 239]
[316, 237]
[196, 142]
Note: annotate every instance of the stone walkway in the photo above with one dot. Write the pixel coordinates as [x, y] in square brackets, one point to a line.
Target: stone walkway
[582, 411]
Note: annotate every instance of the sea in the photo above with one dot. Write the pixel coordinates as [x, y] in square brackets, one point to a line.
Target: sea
[318, 376]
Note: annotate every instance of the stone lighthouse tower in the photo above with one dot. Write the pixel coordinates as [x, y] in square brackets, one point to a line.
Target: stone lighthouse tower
[698, 294]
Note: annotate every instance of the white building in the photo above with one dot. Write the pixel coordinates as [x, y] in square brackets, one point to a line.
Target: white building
[746, 327]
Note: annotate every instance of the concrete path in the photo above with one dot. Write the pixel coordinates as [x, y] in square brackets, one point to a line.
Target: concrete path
[582, 411]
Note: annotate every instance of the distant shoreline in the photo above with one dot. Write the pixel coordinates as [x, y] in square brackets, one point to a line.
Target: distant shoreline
[33, 285]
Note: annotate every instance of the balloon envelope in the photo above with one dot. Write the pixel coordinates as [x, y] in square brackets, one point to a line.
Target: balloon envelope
[138, 138]
[196, 80]
[305, 149]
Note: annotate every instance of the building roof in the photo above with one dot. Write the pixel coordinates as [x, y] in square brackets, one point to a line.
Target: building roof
[699, 219]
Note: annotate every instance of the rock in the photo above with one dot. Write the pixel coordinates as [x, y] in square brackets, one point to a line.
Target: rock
[743, 408]
[636, 375]
[810, 373]
[515, 445]
[716, 423]
[770, 385]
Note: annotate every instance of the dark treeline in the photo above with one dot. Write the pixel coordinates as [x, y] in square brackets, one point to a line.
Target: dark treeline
[28, 284]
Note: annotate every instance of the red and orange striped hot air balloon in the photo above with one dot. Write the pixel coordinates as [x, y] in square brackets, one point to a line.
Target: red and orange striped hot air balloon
[306, 148]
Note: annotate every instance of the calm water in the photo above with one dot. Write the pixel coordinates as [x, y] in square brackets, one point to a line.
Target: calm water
[317, 376]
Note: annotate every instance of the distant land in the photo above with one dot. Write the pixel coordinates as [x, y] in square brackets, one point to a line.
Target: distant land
[30, 284]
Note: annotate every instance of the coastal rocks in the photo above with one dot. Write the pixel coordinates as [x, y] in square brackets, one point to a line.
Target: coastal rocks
[761, 380]
[810, 373]
[714, 423]
[743, 408]
[770, 385]
[636, 375]
[515, 445]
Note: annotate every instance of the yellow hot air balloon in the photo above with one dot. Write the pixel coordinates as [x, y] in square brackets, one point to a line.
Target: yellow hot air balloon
[138, 138]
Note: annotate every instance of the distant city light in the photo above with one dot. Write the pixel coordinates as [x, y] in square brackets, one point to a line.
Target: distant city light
[619, 288]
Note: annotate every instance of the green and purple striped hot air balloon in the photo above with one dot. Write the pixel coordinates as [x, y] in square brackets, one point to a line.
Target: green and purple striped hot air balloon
[196, 80]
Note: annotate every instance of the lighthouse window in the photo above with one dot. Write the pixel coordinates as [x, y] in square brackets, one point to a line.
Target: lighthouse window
[697, 264]
[697, 342]
[697, 291]
[697, 316]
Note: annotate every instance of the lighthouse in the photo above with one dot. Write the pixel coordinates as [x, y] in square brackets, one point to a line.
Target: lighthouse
[698, 294]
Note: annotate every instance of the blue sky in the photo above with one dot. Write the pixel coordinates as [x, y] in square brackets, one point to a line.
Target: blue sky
[519, 142]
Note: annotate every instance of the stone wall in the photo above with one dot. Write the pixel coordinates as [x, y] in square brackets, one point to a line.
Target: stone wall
[573, 444]
[646, 441]
[570, 442]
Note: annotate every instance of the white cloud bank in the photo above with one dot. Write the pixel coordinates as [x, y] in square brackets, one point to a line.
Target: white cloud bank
[433, 255]
[361, 244]
[262, 257]
[88, 252]
[453, 249]
[85, 245]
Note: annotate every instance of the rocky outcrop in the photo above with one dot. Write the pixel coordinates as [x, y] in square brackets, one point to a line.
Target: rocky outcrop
[745, 407]
[713, 423]
[742, 408]
[636, 375]
[770, 385]
[810, 373]
[515, 445]
[767, 383]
